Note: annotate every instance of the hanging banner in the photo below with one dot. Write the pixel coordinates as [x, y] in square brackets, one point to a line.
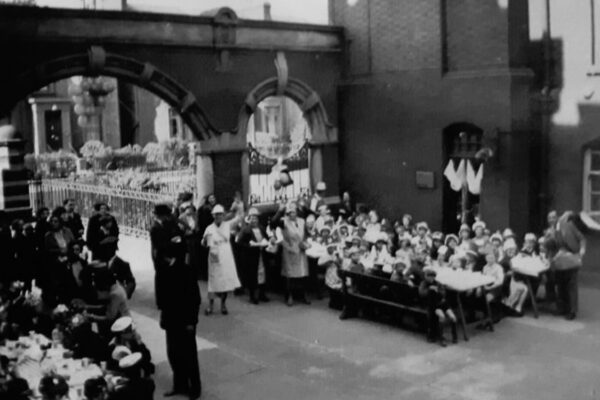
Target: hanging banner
[260, 164]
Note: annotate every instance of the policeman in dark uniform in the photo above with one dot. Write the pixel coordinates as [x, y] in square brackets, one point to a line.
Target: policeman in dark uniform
[178, 298]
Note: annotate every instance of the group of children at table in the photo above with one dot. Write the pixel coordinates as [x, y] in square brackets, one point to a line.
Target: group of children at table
[412, 254]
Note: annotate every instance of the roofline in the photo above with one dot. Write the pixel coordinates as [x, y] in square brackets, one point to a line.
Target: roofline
[17, 11]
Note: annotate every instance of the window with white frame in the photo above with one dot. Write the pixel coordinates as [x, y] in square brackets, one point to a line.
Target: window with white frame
[591, 183]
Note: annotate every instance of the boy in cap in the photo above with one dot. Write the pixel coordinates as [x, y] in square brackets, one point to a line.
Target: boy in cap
[439, 311]
[125, 335]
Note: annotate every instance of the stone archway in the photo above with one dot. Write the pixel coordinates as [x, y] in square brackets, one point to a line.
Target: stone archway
[308, 100]
[96, 61]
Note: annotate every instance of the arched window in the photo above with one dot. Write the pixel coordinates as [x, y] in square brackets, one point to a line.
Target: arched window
[277, 133]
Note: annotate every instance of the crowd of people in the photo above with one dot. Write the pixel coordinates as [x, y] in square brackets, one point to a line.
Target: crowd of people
[56, 282]
[245, 244]
[84, 286]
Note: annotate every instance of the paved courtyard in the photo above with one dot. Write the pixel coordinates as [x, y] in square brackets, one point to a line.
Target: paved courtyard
[305, 352]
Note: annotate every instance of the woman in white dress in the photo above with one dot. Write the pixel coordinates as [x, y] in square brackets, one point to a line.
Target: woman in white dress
[222, 273]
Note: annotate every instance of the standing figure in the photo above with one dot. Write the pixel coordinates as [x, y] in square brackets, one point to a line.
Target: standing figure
[73, 219]
[222, 273]
[95, 233]
[178, 298]
[253, 241]
[317, 200]
[566, 250]
[205, 218]
[294, 263]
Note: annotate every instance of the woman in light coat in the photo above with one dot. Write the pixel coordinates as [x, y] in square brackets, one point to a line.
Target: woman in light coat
[222, 273]
[294, 264]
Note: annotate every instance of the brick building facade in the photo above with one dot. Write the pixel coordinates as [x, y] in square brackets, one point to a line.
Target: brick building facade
[420, 72]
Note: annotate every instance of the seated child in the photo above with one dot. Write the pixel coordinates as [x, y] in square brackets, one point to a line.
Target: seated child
[330, 262]
[440, 312]
[493, 269]
[126, 335]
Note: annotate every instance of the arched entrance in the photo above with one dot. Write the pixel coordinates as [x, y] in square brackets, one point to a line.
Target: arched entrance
[96, 61]
[461, 141]
[322, 132]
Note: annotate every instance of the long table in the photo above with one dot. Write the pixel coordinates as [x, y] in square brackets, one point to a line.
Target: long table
[34, 360]
[460, 282]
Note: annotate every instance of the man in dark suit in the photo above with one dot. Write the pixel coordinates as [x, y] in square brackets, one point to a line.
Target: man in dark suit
[73, 219]
[120, 268]
[178, 298]
[94, 234]
[253, 241]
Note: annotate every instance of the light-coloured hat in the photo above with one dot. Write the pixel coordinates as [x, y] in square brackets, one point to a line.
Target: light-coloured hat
[120, 352]
[437, 236]
[422, 225]
[325, 228]
[508, 233]
[218, 209]
[382, 237]
[323, 207]
[451, 237]
[130, 360]
[471, 253]
[253, 212]
[121, 324]
[496, 236]
[479, 224]
[321, 186]
[509, 244]
[530, 237]
[464, 227]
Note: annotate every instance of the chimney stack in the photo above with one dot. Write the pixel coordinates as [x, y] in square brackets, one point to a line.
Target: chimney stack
[267, 11]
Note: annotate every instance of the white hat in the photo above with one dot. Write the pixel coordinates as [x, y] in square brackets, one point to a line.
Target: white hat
[120, 352]
[382, 237]
[321, 186]
[530, 237]
[130, 360]
[509, 244]
[479, 224]
[464, 227]
[121, 324]
[507, 233]
[253, 212]
[218, 209]
[423, 225]
[496, 236]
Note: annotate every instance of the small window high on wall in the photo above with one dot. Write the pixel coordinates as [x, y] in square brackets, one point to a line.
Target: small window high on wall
[278, 133]
[591, 183]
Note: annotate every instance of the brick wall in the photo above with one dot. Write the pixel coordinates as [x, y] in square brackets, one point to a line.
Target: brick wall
[406, 34]
[355, 19]
[476, 34]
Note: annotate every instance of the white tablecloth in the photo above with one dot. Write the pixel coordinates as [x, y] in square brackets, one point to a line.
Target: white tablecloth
[530, 266]
[461, 280]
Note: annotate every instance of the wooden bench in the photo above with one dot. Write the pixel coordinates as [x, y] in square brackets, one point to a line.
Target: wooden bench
[360, 290]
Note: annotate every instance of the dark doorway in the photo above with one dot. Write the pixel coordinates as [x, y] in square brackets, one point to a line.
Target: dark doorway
[460, 141]
[54, 131]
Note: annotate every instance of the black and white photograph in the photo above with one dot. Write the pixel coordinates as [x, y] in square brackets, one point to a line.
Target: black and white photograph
[299, 199]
